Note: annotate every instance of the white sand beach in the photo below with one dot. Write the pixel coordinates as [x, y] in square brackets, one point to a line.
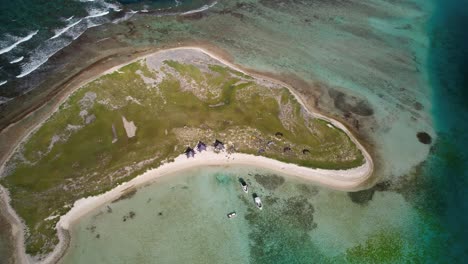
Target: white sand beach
[336, 179]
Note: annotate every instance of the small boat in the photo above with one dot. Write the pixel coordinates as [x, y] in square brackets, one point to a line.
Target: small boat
[258, 202]
[231, 215]
[244, 185]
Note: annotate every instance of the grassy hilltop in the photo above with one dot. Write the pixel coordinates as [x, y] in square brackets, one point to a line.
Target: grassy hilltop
[83, 149]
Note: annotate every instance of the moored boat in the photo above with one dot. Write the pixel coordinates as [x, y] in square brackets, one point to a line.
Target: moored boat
[231, 215]
[258, 202]
[244, 185]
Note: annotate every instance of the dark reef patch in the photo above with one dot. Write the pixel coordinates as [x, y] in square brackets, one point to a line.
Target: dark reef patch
[350, 104]
[269, 181]
[280, 232]
[382, 186]
[299, 212]
[362, 197]
[130, 215]
[424, 138]
[91, 228]
[418, 106]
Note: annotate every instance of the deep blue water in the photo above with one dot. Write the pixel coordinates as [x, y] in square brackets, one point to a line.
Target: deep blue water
[445, 172]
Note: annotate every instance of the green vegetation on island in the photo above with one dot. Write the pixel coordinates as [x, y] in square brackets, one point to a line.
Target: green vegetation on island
[144, 114]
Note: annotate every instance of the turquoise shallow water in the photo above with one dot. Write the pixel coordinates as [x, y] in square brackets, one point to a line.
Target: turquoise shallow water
[182, 218]
[179, 219]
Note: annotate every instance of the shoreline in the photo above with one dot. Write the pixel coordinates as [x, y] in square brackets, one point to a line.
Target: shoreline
[352, 180]
[336, 179]
[17, 227]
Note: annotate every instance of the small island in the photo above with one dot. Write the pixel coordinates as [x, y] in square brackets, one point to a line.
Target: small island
[155, 113]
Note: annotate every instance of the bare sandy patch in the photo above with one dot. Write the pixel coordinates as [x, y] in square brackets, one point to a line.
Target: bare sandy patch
[130, 127]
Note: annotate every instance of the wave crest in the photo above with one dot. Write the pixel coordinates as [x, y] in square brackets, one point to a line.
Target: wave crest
[21, 40]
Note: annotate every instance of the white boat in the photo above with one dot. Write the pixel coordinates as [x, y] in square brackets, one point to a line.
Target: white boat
[232, 215]
[245, 187]
[258, 202]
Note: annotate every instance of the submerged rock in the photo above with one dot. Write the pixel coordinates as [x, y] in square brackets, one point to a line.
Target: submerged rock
[424, 138]
[361, 197]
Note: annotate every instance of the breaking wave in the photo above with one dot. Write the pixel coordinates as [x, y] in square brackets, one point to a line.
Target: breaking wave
[98, 12]
[201, 9]
[60, 32]
[21, 40]
[17, 60]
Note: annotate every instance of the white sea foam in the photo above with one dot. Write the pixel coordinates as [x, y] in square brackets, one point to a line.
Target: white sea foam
[63, 30]
[201, 9]
[90, 25]
[17, 60]
[51, 46]
[48, 48]
[28, 37]
[125, 17]
[3, 82]
[92, 15]
[30, 68]
[112, 6]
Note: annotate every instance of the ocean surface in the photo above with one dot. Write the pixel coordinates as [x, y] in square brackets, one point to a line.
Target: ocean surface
[406, 59]
[445, 193]
[33, 31]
